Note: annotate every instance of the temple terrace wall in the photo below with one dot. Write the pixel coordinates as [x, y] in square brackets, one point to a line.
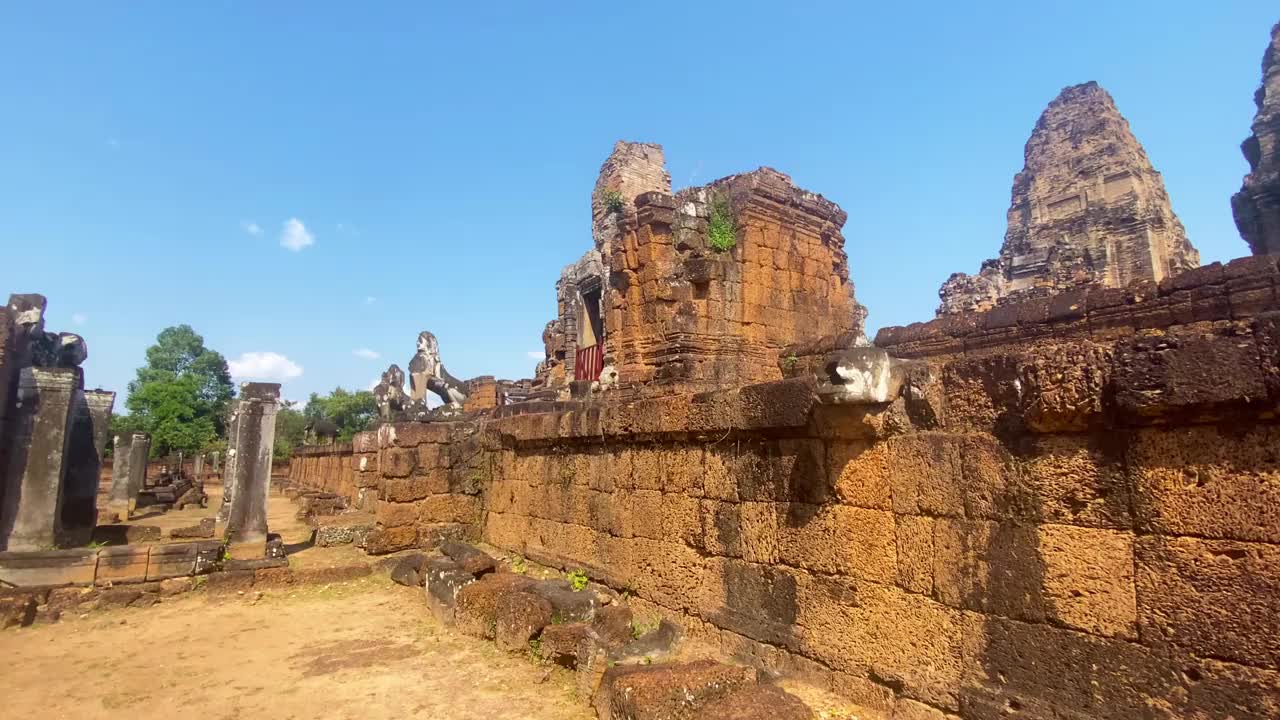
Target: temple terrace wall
[1071, 510]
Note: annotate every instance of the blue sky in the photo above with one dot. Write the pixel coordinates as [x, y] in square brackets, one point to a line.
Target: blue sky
[439, 157]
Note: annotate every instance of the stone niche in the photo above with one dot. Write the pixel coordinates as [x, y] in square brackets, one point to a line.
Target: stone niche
[701, 288]
[1087, 208]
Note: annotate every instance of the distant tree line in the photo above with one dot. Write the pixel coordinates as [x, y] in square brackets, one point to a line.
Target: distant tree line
[182, 397]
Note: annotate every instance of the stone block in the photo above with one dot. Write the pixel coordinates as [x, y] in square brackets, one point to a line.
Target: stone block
[123, 564]
[1088, 579]
[383, 540]
[1040, 672]
[836, 539]
[398, 462]
[1186, 376]
[17, 610]
[1208, 482]
[408, 570]
[567, 604]
[396, 514]
[1078, 480]
[859, 473]
[559, 643]
[166, 561]
[678, 690]
[989, 567]
[48, 567]
[229, 582]
[518, 618]
[1213, 598]
[906, 640]
[475, 611]
[756, 702]
[443, 578]
[468, 557]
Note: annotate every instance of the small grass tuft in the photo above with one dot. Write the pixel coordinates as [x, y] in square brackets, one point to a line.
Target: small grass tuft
[577, 580]
[612, 200]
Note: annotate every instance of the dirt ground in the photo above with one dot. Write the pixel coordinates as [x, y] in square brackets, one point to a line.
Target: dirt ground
[364, 649]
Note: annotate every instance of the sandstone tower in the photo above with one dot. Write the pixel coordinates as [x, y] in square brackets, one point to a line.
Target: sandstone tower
[1257, 206]
[1088, 207]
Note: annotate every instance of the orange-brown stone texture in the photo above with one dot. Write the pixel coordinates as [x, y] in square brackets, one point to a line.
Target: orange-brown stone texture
[1087, 208]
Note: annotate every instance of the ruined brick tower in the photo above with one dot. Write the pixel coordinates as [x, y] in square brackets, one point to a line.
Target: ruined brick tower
[1257, 206]
[1087, 208]
[703, 287]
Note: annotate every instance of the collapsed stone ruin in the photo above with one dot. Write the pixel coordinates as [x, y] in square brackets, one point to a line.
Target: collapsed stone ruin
[1056, 500]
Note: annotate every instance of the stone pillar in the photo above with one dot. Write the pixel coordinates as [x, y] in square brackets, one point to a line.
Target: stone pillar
[181, 459]
[197, 467]
[119, 501]
[37, 457]
[80, 479]
[215, 465]
[89, 430]
[229, 474]
[139, 456]
[249, 466]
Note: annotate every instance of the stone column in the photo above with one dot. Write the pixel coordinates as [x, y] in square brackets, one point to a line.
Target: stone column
[37, 457]
[139, 456]
[197, 467]
[229, 473]
[249, 466]
[119, 500]
[80, 479]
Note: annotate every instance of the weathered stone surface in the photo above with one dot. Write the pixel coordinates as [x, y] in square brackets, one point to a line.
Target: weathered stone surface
[475, 611]
[253, 440]
[48, 567]
[122, 564]
[661, 692]
[569, 605]
[757, 702]
[518, 618]
[408, 570]
[1257, 206]
[443, 579]
[1088, 207]
[469, 558]
[560, 643]
[30, 513]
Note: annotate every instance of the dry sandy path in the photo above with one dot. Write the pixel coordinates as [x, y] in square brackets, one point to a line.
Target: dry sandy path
[366, 649]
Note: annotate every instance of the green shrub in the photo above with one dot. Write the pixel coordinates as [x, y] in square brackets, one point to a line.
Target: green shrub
[612, 200]
[577, 580]
[722, 232]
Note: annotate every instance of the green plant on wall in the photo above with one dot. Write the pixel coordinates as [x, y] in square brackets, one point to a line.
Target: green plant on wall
[612, 200]
[577, 580]
[722, 232]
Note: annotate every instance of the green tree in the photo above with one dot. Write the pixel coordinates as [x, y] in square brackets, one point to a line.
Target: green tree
[352, 412]
[181, 395]
[291, 427]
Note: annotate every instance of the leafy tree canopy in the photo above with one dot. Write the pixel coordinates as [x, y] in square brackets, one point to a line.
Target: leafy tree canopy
[291, 427]
[352, 412]
[181, 395]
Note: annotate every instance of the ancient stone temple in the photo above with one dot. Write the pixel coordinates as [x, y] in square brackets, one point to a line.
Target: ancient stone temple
[698, 288]
[1257, 206]
[1087, 208]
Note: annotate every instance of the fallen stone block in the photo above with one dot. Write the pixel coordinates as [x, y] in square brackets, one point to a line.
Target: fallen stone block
[570, 605]
[204, 529]
[518, 618]
[653, 645]
[266, 563]
[475, 612]
[560, 643]
[613, 623]
[208, 556]
[346, 529]
[443, 579]
[757, 702]
[17, 610]
[408, 570]
[665, 692]
[125, 534]
[118, 597]
[325, 575]
[470, 558]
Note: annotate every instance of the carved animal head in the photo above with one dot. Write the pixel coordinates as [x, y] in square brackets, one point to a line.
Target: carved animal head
[429, 352]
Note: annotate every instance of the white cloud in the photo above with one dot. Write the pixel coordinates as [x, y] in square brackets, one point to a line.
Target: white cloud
[536, 355]
[264, 366]
[295, 235]
[373, 384]
[366, 353]
[251, 227]
[370, 300]
[79, 318]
